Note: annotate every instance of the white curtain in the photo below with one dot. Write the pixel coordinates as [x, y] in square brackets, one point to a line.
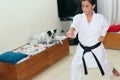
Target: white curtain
[115, 12]
[118, 21]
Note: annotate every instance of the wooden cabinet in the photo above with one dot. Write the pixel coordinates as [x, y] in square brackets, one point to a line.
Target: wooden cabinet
[112, 41]
[57, 52]
[34, 65]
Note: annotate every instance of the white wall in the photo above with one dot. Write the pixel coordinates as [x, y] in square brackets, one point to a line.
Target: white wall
[21, 18]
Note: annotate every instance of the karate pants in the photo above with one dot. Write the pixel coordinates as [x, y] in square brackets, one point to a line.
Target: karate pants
[76, 69]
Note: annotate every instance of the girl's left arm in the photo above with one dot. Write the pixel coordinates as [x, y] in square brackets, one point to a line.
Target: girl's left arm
[104, 27]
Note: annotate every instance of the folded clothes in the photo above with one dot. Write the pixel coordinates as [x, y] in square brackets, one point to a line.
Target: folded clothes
[12, 57]
[114, 28]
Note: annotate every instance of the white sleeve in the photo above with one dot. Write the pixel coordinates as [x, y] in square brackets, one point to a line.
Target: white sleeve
[105, 25]
[75, 25]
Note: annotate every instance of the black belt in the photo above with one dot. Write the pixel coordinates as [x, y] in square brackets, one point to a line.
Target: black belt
[89, 49]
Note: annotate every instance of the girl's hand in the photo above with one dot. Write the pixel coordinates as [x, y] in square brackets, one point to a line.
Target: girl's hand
[101, 38]
[70, 33]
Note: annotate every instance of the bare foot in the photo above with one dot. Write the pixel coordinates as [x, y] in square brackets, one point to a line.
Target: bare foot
[116, 73]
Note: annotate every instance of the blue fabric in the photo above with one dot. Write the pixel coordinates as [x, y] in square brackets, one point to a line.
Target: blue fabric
[12, 57]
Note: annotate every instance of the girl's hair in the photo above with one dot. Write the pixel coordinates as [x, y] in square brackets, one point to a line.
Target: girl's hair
[91, 1]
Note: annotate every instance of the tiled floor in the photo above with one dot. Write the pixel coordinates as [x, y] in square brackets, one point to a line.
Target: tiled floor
[61, 70]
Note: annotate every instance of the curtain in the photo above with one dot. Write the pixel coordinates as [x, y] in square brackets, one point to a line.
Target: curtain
[118, 21]
[115, 12]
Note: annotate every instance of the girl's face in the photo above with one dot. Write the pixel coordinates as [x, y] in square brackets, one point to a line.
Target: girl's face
[87, 7]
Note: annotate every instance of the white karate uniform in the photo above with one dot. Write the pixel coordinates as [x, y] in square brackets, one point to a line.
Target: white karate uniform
[88, 34]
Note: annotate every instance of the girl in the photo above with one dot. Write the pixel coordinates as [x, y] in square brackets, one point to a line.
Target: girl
[91, 29]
